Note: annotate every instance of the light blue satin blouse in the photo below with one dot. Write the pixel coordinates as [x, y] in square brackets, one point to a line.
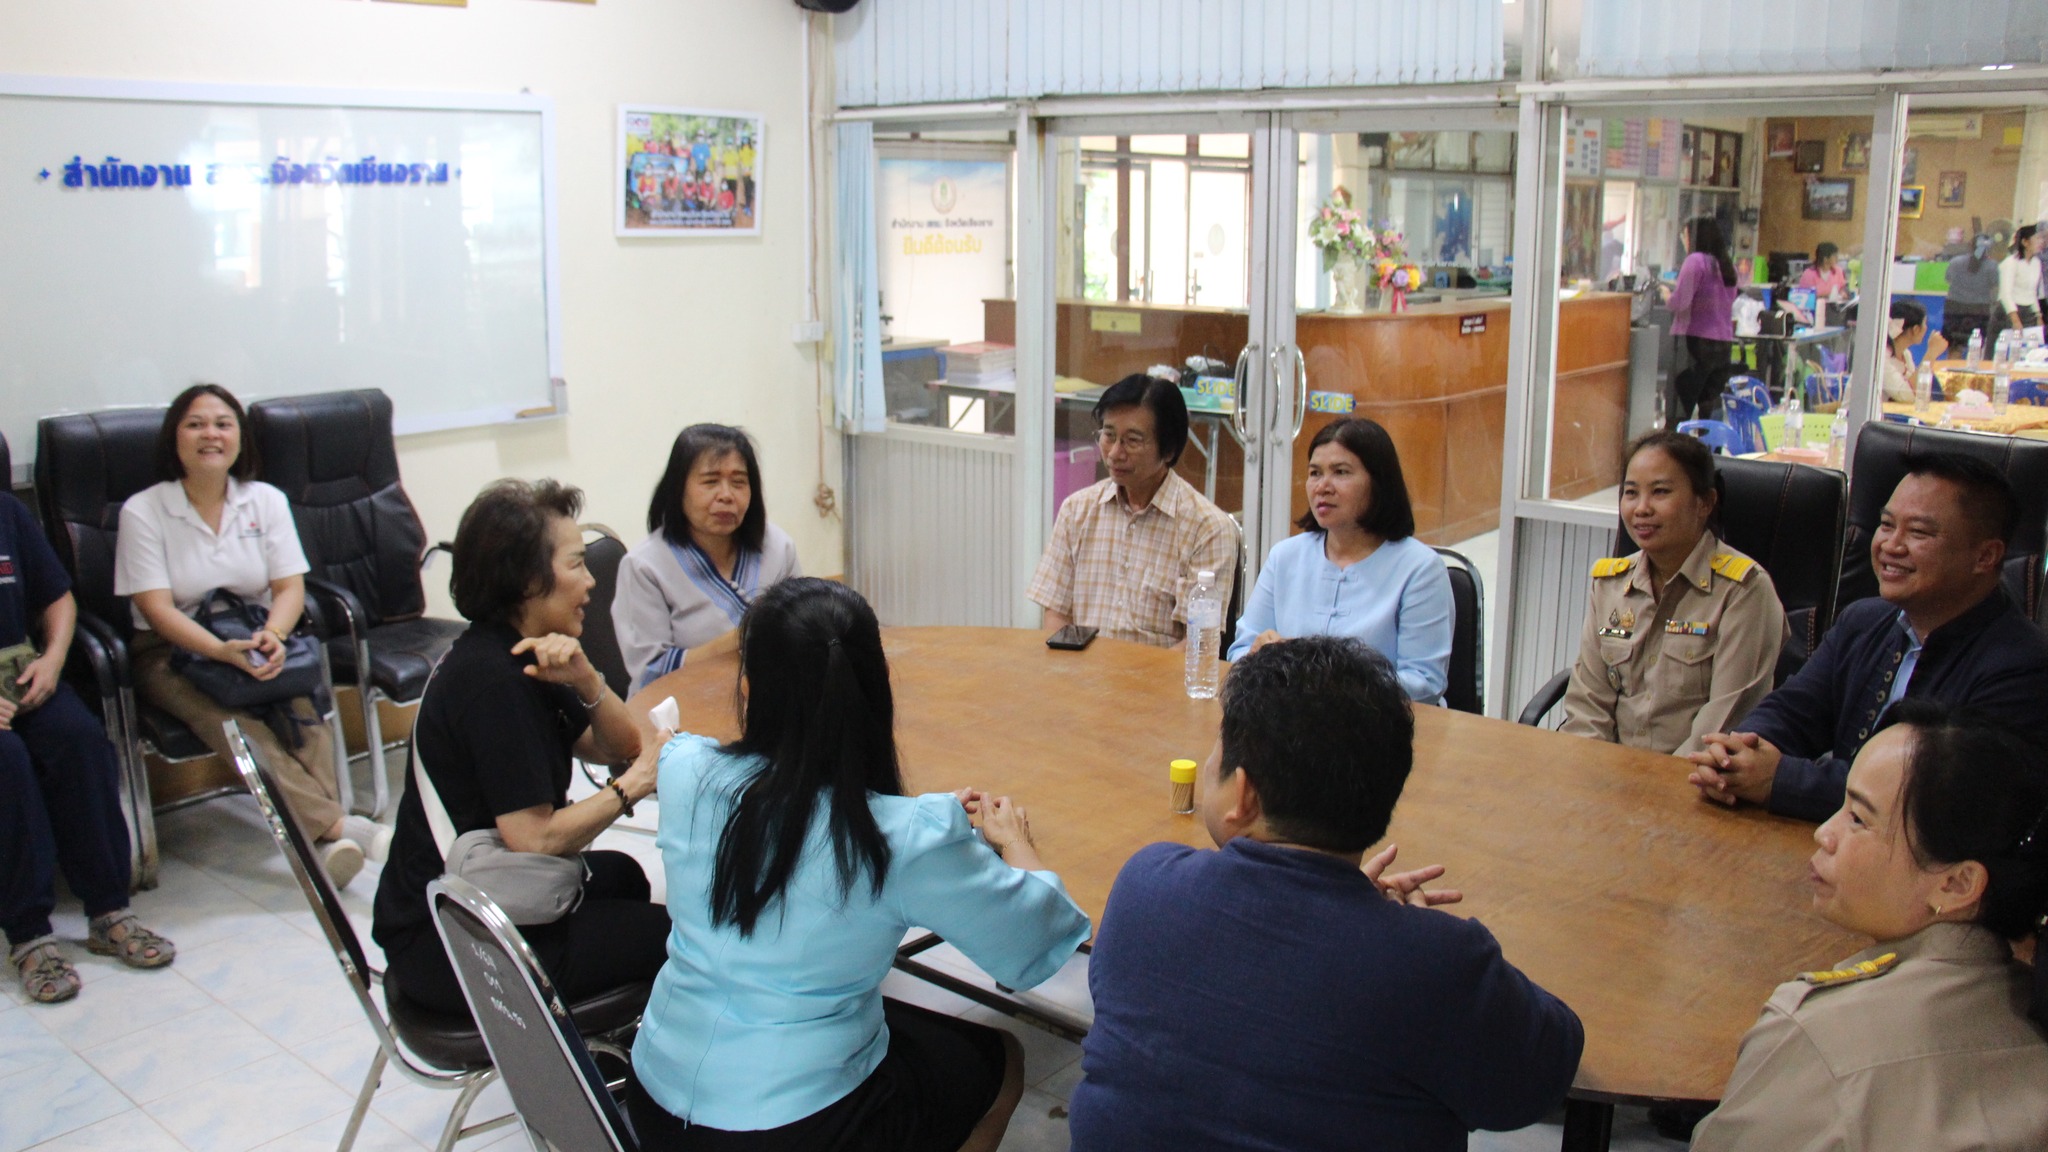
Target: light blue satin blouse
[1398, 600]
[745, 1033]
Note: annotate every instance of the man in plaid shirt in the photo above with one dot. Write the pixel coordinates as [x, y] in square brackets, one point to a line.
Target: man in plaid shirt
[1124, 551]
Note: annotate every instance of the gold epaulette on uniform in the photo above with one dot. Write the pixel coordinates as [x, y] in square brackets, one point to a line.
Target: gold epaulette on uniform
[1854, 972]
[1612, 566]
[1736, 568]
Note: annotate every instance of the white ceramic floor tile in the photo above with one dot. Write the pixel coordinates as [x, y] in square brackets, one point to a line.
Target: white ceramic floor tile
[116, 1006]
[294, 1012]
[420, 1111]
[910, 990]
[1038, 1125]
[343, 1056]
[64, 1094]
[376, 1135]
[130, 1131]
[271, 953]
[166, 1058]
[1062, 1083]
[24, 1042]
[249, 1106]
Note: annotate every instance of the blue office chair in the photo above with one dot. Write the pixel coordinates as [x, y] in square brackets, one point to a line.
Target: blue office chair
[1746, 402]
[1718, 436]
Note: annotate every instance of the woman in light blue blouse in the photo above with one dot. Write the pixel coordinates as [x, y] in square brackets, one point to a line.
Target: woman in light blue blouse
[795, 864]
[1356, 568]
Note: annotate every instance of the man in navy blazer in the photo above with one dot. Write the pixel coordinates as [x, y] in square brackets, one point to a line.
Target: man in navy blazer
[1941, 628]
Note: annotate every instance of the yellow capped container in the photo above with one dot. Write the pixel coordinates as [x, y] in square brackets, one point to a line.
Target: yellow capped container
[1182, 774]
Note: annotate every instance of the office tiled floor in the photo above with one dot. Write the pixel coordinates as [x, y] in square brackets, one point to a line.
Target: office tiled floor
[252, 1039]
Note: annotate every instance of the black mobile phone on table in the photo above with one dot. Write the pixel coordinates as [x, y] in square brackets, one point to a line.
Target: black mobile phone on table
[1071, 638]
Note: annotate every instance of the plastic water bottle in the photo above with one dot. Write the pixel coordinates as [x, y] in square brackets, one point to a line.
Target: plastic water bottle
[1795, 419]
[1838, 438]
[2001, 386]
[1205, 631]
[1976, 351]
[1923, 391]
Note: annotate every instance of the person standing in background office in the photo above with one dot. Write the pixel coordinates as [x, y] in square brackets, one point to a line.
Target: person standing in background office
[1830, 283]
[709, 551]
[1124, 551]
[1703, 322]
[2019, 284]
[1972, 290]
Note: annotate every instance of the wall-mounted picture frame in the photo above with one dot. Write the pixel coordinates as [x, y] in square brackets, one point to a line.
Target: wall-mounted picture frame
[1829, 198]
[1912, 199]
[1810, 156]
[1856, 152]
[1781, 137]
[688, 172]
[1949, 189]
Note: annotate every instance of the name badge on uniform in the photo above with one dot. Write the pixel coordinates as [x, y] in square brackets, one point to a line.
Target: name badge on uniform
[1686, 628]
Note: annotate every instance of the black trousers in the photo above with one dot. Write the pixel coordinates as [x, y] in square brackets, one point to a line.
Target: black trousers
[939, 1078]
[1697, 389]
[60, 806]
[2030, 315]
[616, 936]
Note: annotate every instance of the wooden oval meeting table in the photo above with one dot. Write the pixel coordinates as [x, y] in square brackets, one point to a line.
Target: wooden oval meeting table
[1663, 920]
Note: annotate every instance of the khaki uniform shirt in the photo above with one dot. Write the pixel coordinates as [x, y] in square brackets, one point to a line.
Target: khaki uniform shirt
[1927, 1052]
[1661, 674]
[1128, 573]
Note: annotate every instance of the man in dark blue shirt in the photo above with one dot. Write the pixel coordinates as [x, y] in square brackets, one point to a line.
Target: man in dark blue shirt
[1942, 628]
[1273, 995]
[59, 795]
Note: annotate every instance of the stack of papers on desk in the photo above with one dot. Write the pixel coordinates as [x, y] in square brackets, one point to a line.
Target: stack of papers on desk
[982, 365]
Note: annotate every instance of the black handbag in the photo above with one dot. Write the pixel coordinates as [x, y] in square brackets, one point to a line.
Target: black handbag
[230, 617]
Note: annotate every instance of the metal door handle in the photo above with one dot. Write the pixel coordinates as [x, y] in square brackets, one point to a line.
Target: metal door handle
[1300, 391]
[1238, 430]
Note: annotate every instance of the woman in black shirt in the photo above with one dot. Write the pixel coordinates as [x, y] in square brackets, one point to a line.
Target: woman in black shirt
[510, 706]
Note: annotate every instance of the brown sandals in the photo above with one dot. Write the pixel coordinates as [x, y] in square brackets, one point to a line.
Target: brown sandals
[46, 977]
[134, 945]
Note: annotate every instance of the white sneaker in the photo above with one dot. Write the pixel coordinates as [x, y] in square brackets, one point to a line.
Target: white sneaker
[343, 859]
[372, 837]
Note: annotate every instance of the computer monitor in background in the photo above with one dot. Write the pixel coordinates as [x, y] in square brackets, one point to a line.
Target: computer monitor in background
[1782, 267]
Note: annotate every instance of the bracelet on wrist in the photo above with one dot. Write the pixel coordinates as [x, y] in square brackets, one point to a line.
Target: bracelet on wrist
[625, 804]
[594, 701]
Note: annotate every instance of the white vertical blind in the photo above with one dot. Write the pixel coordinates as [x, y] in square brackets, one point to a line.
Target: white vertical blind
[930, 525]
[857, 322]
[1741, 37]
[892, 52]
[1549, 589]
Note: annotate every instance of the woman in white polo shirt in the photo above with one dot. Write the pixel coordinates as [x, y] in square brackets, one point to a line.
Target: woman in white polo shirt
[210, 524]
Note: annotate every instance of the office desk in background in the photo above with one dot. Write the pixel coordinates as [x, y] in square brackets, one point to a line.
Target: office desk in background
[1664, 921]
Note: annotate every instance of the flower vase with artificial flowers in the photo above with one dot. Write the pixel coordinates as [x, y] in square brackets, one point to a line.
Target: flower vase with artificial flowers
[1347, 244]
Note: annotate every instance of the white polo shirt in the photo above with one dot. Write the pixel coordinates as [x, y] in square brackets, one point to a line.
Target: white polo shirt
[165, 544]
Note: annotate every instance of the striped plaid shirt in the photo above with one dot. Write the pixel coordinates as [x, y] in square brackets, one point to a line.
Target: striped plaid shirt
[1128, 573]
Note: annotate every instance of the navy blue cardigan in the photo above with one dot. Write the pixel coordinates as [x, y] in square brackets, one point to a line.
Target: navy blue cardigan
[1991, 659]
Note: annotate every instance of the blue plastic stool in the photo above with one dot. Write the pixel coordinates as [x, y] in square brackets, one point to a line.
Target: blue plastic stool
[1715, 434]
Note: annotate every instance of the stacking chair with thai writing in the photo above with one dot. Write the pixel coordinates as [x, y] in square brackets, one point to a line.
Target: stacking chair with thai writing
[556, 1088]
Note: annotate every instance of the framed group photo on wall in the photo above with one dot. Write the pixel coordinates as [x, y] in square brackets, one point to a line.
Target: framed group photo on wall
[688, 172]
[1829, 198]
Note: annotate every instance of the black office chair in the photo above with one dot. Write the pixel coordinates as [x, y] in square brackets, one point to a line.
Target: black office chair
[333, 457]
[96, 670]
[1880, 465]
[602, 551]
[555, 1086]
[1789, 519]
[435, 1049]
[1465, 689]
[86, 466]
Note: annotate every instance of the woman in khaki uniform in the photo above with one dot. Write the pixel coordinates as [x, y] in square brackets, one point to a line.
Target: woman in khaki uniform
[1920, 1043]
[1681, 639]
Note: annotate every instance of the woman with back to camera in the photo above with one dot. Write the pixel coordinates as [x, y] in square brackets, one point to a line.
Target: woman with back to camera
[1972, 293]
[211, 524]
[709, 551]
[1703, 322]
[1921, 1042]
[1356, 568]
[1682, 638]
[795, 864]
[507, 709]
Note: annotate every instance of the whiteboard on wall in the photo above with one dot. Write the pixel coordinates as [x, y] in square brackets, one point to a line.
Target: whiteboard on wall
[277, 242]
